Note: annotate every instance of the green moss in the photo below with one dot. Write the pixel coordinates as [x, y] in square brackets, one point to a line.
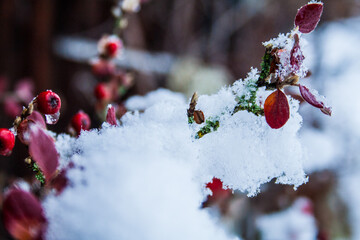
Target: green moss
[191, 120]
[265, 65]
[210, 126]
[38, 174]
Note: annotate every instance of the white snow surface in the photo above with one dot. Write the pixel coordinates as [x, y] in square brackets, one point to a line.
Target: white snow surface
[146, 179]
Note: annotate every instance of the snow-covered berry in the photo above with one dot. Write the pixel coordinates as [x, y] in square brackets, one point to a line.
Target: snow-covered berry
[102, 92]
[48, 102]
[109, 46]
[80, 121]
[7, 141]
[112, 48]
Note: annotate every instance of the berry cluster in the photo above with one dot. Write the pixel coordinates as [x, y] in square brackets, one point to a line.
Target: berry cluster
[23, 214]
[113, 83]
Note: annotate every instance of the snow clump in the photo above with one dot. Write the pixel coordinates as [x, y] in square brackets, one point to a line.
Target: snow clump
[146, 179]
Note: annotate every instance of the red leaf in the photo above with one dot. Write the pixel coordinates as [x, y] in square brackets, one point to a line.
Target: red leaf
[296, 56]
[37, 118]
[309, 97]
[23, 129]
[308, 17]
[43, 152]
[23, 215]
[111, 116]
[276, 109]
[312, 100]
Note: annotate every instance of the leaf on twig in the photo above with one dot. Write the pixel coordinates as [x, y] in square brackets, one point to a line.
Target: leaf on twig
[276, 109]
[23, 130]
[37, 118]
[313, 100]
[43, 152]
[308, 17]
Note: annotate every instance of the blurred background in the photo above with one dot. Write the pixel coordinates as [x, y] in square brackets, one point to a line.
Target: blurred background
[188, 45]
[224, 35]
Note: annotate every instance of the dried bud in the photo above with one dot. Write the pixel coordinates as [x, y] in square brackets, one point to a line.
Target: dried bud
[199, 116]
[192, 106]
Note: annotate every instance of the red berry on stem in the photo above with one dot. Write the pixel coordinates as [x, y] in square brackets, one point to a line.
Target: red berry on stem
[102, 92]
[112, 48]
[7, 141]
[109, 46]
[48, 102]
[80, 121]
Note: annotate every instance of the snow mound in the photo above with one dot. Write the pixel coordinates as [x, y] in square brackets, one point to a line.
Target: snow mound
[146, 179]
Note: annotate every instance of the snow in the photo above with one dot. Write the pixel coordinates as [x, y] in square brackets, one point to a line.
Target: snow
[146, 179]
[161, 95]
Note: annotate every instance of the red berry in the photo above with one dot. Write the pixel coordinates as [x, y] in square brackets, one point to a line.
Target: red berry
[80, 121]
[48, 102]
[109, 46]
[112, 48]
[7, 141]
[102, 92]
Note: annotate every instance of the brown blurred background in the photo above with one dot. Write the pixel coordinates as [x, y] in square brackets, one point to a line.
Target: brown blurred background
[226, 32]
